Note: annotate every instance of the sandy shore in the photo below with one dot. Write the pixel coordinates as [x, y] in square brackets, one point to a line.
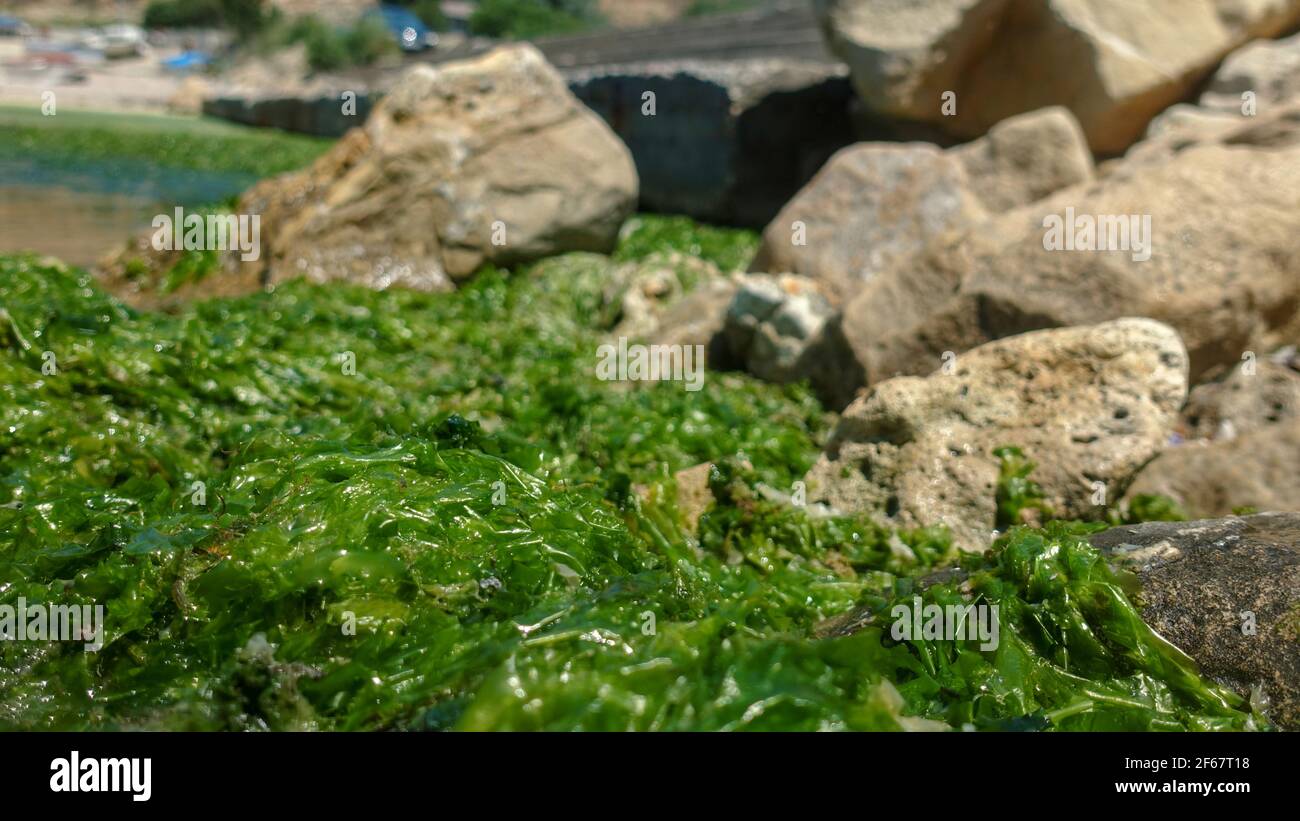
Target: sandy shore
[137, 84]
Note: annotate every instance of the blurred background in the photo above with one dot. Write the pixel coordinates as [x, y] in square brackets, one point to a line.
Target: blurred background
[142, 87]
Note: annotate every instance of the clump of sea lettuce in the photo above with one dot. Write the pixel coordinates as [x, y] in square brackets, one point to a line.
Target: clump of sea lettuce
[448, 537]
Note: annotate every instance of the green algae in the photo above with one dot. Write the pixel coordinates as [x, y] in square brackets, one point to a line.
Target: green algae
[128, 142]
[328, 508]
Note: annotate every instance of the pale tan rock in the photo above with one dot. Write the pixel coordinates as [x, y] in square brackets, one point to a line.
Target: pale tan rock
[1243, 447]
[1257, 394]
[489, 160]
[189, 96]
[1256, 470]
[871, 209]
[1224, 267]
[1026, 158]
[876, 206]
[1114, 64]
[1267, 69]
[1088, 404]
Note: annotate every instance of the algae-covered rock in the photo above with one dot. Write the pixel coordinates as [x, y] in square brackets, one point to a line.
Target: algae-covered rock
[1227, 592]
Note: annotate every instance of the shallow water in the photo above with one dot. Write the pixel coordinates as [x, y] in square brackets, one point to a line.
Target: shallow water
[79, 212]
[78, 227]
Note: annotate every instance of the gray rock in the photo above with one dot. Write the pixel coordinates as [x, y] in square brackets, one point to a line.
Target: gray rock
[1199, 580]
[1270, 69]
[318, 114]
[773, 323]
[728, 142]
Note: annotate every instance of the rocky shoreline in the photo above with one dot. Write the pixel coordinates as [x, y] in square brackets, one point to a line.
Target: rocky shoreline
[1080, 265]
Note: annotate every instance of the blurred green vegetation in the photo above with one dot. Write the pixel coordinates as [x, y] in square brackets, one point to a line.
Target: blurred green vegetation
[519, 19]
[446, 535]
[729, 248]
[701, 8]
[469, 530]
[168, 14]
[330, 48]
[179, 142]
[245, 17]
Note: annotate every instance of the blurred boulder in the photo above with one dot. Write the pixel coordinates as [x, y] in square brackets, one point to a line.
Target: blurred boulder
[867, 213]
[1026, 158]
[1088, 404]
[1252, 471]
[1188, 126]
[189, 96]
[486, 161]
[1254, 395]
[875, 207]
[1227, 593]
[490, 160]
[773, 324]
[1267, 69]
[724, 141]
[319, 113]
[1116, 65]
[1242, 447]
[1204, 241]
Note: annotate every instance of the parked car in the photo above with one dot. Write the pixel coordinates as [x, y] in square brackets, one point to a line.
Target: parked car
[13, 27]
[411, 32]
[124, 41]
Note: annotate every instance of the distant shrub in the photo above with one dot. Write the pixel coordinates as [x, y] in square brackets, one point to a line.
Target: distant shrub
[368, 41]
[245, 17]
[702, 8]
[532, 18]
[327, 48]
[330, 48]
[173, 14]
